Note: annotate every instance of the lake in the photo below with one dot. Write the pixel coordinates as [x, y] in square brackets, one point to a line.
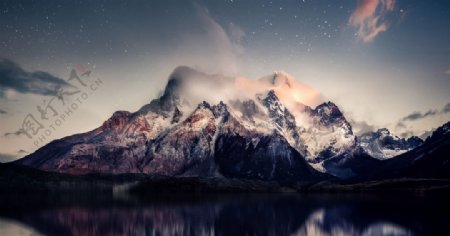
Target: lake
[225, 214]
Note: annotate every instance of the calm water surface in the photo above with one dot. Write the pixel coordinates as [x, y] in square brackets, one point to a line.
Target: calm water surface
[225, 214]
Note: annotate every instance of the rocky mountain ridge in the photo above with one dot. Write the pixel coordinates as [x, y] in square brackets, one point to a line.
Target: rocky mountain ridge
[210, 125]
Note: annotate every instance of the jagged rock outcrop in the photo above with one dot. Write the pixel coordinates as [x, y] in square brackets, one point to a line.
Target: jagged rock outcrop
[382, 144]
[211, 125]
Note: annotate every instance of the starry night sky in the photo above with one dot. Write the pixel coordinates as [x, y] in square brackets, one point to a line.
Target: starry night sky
[386, 63]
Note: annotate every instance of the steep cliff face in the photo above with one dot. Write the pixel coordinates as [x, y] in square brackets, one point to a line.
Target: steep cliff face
[187, 147]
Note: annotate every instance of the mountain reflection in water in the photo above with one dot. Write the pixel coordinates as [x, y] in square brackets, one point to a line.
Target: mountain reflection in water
[226, 214]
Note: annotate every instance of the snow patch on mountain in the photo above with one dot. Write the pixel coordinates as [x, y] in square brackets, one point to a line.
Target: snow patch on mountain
[327, 133]
[383, 145]
[266, 129]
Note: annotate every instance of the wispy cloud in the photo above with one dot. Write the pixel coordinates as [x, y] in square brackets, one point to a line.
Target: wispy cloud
[361, 127]
[226, 41]
[446, 108]
[447, 72]
[22, 152]
[17, 133]
[419, 115]
[426, 134]
[7, 157]
[3, 112]
[369, 18]
[405, 127]
[14, 78]
[400, 125]
[422, 115]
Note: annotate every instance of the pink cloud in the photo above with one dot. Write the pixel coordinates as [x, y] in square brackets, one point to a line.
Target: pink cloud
[448, 72]
[368, 17]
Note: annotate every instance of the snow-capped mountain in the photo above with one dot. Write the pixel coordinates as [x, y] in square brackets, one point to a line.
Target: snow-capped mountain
[329, 133]
[431, 159]
[382, 144]
[212, 125]
[190, 130]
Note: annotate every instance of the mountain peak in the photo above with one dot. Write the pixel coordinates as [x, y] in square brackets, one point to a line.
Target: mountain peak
[282, 78]
[220, 109]
[383, 131]
[184, 72]
[329, 113]
[271, 96]
[327, 105]
[200, 118]
[440, 132]
[204, 105]
[272, 103]
[382, 144]
[117, 121]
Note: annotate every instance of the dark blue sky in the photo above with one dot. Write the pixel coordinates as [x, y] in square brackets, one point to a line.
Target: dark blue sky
[379, 60]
